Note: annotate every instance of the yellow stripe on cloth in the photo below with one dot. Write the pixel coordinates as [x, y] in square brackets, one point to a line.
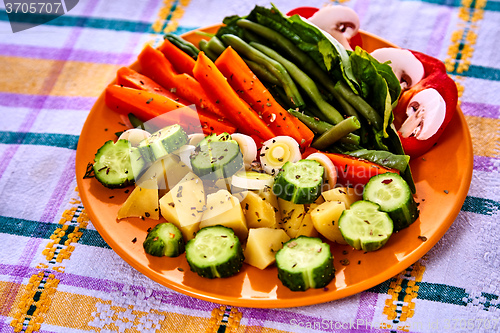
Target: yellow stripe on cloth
[27, 76]
[169, 15]
[485, 135]
[96, 314]
[54, 77]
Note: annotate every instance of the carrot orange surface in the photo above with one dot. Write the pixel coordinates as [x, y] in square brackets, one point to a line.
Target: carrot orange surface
[181, 61]
[241, 78]
[147, 105]
[128, 77]
[234, 108]
[158, 68]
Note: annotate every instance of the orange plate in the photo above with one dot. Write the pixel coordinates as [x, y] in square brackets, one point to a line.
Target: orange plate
[442, 178]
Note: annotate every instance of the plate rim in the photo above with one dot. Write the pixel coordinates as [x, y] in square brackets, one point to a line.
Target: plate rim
[306, 299]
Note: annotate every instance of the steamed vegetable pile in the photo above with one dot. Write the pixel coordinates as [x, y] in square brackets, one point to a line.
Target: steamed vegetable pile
[265, 144]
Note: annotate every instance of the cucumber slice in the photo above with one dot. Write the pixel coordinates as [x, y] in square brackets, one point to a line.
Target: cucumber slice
[305, 262]
[112, 166]
[215, 252]
[165, 239]
[299, 182]
[365, 227]
[392, 193]
[216, 159]
[139, 162]
[163, 142]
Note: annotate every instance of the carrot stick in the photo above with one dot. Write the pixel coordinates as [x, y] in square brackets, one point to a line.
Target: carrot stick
[147, 105]
[352, 170]
[240, 113]
[252, 90]
[181, 61]
[128, 77]
[158, 68]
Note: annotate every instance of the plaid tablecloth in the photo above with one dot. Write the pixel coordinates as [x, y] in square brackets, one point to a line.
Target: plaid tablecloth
[58, 275]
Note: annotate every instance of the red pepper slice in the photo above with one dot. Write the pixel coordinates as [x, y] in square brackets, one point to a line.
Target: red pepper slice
[352, 171]
[435, 77]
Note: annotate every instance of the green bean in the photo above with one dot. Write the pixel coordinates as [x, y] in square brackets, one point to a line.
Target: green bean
[299, 56]
[261, 72]
[320, 127]
[316, 125]
[216, 45]
[271, 65]
[348, 109]
[360, 105]
[335, 133]
[183, 44]
[203, 45]
[136, 122]
[305, 82]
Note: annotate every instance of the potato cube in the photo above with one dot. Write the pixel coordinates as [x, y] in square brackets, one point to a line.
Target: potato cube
[142, 202]
[262, 245]
[347, 195]
[292, 215]
[224, 209]
[184, 204]
[258, 212]
[325, 218]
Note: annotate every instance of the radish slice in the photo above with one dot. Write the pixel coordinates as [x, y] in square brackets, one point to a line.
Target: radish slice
[247, 146]
[277, 151]
[134, 135]
[330, 175]
[252, 180]
[195, 138]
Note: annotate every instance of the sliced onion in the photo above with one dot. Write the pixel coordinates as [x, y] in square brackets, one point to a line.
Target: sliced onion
[195, 138]
[252, 180]
[277, 151]
[330, 171]
[134, 135]
[247, 146]
[184, 153]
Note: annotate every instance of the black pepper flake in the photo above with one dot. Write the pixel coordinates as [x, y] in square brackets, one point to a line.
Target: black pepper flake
[134, 240]
[446, 191]
[147, 214]
[149, 100]
[180, 269]
[112, 196]
[345, 252]
[422, 238]
[345, 262]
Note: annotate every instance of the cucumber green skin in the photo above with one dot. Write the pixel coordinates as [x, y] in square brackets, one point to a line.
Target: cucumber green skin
[286, 187]
[295, 281]
[159, 146]
[159, 242]
[216, 138]
[346, 224]
[120, 172]
[404, 214]
[212, 270]
[215, 160]
[139, 161]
